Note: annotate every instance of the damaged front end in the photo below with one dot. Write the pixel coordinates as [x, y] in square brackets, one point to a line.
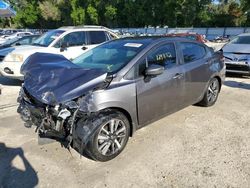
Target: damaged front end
[63, 122]
[60, 117]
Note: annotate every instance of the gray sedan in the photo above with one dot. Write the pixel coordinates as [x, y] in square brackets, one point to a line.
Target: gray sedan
[95, 103]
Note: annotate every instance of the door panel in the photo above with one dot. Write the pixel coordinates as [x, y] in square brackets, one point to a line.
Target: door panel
[162, 94]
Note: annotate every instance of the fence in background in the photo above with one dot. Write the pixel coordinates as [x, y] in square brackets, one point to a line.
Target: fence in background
[209, 32]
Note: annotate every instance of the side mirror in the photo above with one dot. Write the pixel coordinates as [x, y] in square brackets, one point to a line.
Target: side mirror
[17, 44]
[63, 47]
[154, 70]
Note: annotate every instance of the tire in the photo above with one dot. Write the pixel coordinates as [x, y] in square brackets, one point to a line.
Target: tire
[211, 94]
[111, 137]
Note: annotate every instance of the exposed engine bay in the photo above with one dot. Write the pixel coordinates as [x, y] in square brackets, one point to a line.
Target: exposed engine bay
[63, 122]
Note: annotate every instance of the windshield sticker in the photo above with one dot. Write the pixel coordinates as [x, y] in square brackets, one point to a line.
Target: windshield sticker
[134, 45]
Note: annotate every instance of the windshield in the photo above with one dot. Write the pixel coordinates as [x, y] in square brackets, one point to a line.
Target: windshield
[111, 56]
[47, 38]
[240, 40]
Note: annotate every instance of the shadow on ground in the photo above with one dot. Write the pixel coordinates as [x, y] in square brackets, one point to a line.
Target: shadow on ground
[11, 176]
[236, 84]
[9, 82]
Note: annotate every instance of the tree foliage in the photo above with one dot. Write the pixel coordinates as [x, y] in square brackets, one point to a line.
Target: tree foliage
[131, 13]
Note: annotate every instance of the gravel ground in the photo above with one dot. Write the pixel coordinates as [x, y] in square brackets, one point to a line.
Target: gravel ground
[195, 147]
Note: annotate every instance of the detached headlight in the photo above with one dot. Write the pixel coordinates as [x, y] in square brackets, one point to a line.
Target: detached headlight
[14, 58]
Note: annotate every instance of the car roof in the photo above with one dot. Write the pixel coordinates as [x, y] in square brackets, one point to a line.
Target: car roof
[84, 27]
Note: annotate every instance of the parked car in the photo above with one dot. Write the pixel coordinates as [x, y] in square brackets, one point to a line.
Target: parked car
[191, 36]
[5, 38]
[11, 45]
[19, 41]
[67, 41]
[237, 55]
[8, 32]
[102, 97]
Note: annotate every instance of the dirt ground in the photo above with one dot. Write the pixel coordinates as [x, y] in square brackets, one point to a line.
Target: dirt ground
[195, 147]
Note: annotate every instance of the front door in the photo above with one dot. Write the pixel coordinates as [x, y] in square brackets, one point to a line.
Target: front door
[73, 45]
[162, 94]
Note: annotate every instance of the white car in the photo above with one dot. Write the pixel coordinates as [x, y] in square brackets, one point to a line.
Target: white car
[4, 38]
[70, 42]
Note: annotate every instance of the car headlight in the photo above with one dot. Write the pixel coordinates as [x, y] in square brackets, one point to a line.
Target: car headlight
[14, 58]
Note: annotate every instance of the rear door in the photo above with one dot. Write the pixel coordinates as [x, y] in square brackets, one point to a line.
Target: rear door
[96, 37]
[195, 63]
[162, 94]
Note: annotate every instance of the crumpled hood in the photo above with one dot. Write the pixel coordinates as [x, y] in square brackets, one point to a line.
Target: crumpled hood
[53, 79]
[237, 48]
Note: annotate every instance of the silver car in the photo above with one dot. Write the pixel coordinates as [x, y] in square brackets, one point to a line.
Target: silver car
[95, 103]
[237, 55]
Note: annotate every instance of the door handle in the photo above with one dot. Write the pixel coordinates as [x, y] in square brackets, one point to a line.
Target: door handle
[178, 76]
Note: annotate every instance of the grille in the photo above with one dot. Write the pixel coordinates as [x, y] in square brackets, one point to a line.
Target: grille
[237, 67]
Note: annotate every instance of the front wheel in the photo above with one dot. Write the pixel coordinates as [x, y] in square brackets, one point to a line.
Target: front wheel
[211, 94]
[110, 138]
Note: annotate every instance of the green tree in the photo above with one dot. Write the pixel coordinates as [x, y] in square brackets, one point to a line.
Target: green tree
[110, 15]
[92, 15]
[50, 10]
[28, 15]
[77, 13]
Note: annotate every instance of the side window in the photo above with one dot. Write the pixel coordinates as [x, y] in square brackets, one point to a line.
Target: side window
[32, 39]
[97, 37]
[73, 39]
[192, 51]
[164, 55]
[23, 42]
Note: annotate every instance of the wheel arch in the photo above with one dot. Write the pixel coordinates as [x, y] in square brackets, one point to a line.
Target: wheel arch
[128, 116]
[219, 79]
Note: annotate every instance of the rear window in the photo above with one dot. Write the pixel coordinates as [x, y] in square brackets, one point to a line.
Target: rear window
[192, 51]
[97, 37]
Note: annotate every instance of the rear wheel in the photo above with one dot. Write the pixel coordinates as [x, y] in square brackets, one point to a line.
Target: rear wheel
[211, 94]
[110, 138]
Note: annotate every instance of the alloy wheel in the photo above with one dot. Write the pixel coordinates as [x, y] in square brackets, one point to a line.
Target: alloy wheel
[213, 90]
[111, 137]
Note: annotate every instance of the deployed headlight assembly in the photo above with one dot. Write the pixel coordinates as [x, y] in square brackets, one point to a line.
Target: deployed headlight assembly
[14, 58]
